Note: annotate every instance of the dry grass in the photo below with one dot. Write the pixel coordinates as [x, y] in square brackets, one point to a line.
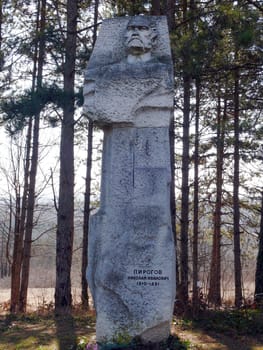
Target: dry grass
[38, 298]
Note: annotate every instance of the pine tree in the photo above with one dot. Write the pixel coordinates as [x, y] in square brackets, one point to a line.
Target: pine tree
[40, 51]
[65, 229]
[84, 283]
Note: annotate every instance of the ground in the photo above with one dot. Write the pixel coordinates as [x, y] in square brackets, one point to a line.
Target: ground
[45, 332]
[222, 330]
[214, 330]
[210, 340]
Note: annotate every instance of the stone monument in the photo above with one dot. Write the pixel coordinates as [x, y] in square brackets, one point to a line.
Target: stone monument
[128, 93]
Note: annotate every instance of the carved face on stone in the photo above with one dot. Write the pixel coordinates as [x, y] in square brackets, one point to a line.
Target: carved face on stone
[140, 36]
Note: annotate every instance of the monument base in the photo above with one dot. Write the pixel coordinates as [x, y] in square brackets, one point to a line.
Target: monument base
[137, 344]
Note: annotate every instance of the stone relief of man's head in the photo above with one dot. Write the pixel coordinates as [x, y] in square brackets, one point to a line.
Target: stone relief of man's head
[140, 36]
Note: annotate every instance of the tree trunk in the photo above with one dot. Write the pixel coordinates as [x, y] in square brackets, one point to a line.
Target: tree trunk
[9, 233]
[34, 164]
[156, 8]
[18, 253]
[259, 268]
[183, 289]
[196, 203]
[172, 195]
[29, 220]
[65, 220]
[17, 257]
[20, 218]
[214, 295]
[84, 282]
[170, 13]
[95, 22]
[236, 205]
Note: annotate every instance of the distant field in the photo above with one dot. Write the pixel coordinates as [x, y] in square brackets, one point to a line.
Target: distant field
[43, 297]
[39, 297]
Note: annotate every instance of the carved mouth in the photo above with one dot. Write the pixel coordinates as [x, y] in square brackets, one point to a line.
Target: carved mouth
[135, 39]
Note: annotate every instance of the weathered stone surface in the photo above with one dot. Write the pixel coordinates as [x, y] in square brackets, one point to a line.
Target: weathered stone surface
[138, 98]
[117, 91]
[131, 269]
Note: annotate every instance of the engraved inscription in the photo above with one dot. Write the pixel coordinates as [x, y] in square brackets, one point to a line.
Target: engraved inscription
[148, 277]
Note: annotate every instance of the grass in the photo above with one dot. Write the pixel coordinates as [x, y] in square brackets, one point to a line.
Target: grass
[232, 322]
[224, 329]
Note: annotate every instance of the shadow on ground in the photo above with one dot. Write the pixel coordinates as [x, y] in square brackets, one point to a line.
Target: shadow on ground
[222, 330]
[23, 335]
[38, 332]
[66, 332]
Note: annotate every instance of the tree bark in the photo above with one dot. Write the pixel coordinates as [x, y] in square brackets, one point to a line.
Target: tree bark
[214, 295]
[34, 164]
[236, 204]
[172, 195]
[156, 8]
[183, 290]
[65, 219]
[84, 282]
[20, 218]
[170, 13]
[196, 203]
[17, 256]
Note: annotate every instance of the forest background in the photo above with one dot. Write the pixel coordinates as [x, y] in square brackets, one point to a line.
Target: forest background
[51, 152]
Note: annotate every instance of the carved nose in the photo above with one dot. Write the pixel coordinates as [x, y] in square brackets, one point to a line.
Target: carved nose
[135, 30]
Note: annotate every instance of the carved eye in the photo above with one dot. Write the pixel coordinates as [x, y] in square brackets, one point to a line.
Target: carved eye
[137, 27]
[143, 27]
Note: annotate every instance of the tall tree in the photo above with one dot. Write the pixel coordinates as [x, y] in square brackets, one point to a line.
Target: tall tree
[84, 283]
[196, 201]
[65, 217]
[17, 251]
[236, 185]
[187, 79]
[34, 159]
[242, 38]
[185, 191]
[214, 295]
[21, 256]
[20, 219]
